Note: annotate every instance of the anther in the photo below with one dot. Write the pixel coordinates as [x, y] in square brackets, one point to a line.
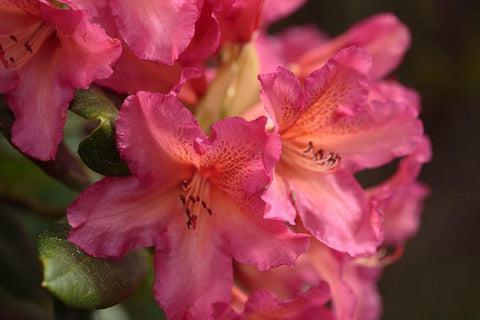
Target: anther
[309, 147]
[188, 212]
[192, 198]
[27, 46]
[209, 211]
[204, 204]
[13, 38]
[182, 198]
[12, 60]
[184, 184]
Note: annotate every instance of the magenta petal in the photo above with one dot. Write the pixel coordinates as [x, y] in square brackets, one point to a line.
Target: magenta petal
[339, 88]
[87, 53]
[279, 201]
[363, 283]
[382, 35]
[309, 305]
[8, 80]
[387, 127]
[132, 74]
[239, 19]
[40, 104]
[284, 48]
[401, 197]
[193, 271]
[242, 153]
[156, 30]
[155, 135]
[334, 209]
[254, 240]
[117, 215]
[283, 97]
[274, 10]
[330, 266]
[206, 38]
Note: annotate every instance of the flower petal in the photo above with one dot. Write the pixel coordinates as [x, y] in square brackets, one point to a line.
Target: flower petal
[274, 10]
[206, 38]
[239, 19]
[87, 52]
[283, 97]
[155, 135]
[156, 30]
[40, 103]
[193, 271]
[279, 201]
[334, 209]
[254, 240]
[132, 74]
[284, 48]
[338, 88]
[330, 266]
[382, 35]
[117, 215]
[242, 155]
[363, 282]
[309, 305]
[387, 127]
[401, 197]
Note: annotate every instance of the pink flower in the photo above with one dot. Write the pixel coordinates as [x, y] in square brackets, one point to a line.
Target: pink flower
[340, 121]
[274, 10]
[382, 35]
[263, 304]
[47, 52]
[401, 197]
[161, 52]
[197, 199]
[351, 287]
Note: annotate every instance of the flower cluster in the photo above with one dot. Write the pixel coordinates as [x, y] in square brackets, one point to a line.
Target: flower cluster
[246, 189]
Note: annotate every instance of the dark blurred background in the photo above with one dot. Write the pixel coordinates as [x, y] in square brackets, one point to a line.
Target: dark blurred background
[438, 276]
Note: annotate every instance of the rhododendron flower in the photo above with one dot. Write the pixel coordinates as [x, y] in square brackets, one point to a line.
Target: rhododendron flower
[339, 120]
[304, 49]
[351, 286]
[263, 304]
[400, 198]
[197, 199]
[46, 53]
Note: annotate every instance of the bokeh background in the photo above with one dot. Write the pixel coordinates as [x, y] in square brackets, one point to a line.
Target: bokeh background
[438, 276]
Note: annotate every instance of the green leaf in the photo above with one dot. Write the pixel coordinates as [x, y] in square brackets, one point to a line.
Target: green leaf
[99, 151]
[65, 168]
[84, 282]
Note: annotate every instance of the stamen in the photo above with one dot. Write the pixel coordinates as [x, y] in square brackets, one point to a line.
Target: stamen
[16, 49]
[319, 160]
[194, 198]
[385, 256]
[309, 147]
